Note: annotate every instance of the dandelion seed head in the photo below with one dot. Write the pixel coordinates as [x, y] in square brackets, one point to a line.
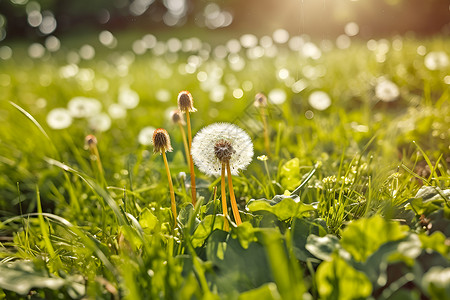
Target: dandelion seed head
[386, 90]
[260, 100]
[161, 141]
[100, 122]
[185, 102]
[83, 107]
[59, 118]
[221, 143]
[128, 98]
[436, 60]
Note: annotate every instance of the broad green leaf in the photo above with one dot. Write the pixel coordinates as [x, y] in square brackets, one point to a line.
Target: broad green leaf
[338, 280]
[204, 229]
[437, 282]
[324, 247]
[22, 276]
[284, 207]
[267, 291]
[236, 269]
[290, 174]
[301, 229]
[147, 220]
[245, 234]
[436, 242]
[364, 236]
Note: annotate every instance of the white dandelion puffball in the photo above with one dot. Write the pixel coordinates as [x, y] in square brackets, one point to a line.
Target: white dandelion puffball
[100, 122]
[210, 141]
[386, 90]
[128, 98]
[83, 107]
[145, 136]
[59, 118]
[436, 60]
[277, 96]
[319, 100]
[117, 111]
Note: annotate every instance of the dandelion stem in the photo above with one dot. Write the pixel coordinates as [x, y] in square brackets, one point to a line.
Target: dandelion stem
[191, 162]
[186, 148]
[266, 130]
[224, 200]
[237, 217]
[94, 151]
[172, 193]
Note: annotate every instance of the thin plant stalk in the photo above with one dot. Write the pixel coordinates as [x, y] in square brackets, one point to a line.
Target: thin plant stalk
[268, 175]
[172, 192]
[191, 162]
[266, 130]
[237, 217]
[186, 147]
[224, 200]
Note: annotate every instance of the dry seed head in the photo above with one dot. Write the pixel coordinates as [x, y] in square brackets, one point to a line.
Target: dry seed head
[260, 100]
[185, 102]
[161, 141]
[223, 151]
[177, 117]
[90, 141]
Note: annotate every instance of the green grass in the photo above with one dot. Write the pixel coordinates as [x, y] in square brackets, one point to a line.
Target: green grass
[352, 203]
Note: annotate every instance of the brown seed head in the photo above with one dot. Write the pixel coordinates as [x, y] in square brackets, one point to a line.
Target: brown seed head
[223, 151]
[260, 100]
[161, 141]
[90, 141]
[185, 102]
[177, 117]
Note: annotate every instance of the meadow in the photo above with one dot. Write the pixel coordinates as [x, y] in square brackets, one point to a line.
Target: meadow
[348, 198]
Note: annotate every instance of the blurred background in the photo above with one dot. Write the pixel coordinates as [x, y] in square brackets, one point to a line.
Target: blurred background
[34, 20]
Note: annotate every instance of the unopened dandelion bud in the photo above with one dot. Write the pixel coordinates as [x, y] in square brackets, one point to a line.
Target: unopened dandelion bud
[161, 141]
[260, 100]
[185, 102]
[177, 117]
[90, 141]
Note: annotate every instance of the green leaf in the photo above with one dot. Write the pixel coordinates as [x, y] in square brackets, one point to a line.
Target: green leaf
[284, 207]
[301, 229]
[324, 247]
[265, 292]
[236, 269]
[148, 220]
[204, 229]
[436, 242]
[22, 276]
[245, 234]
[338, 280]
[364, 236]
[290, 174]
[437, 282]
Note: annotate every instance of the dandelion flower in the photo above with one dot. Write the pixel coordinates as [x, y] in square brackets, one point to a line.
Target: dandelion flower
[59, 118]
[146, 135]
[117, 111]
[177, 118]
[90, 142]
[185, 102]
[219, 147]
[161, 143]
[260, 100]
[386, 90]
[83, 107]
[319, 100]
[128, 98]
[225, 140]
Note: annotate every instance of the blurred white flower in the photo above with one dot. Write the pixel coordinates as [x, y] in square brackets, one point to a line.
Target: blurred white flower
[83, 107]
[128, 98]
[277, 96]
[386, 90]
[436, 60]
[319, 100]
[211, 142]
[59, 118]
[145, 136]
[117, 111]
[100, 122]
